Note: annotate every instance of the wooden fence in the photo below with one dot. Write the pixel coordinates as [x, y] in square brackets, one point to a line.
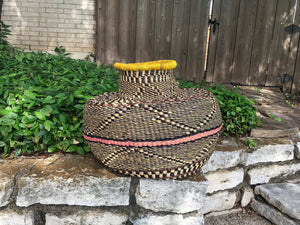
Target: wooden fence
[141, 30]
[250, 44]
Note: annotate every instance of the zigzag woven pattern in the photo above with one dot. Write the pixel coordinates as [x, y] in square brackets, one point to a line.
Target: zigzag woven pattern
[151, 128]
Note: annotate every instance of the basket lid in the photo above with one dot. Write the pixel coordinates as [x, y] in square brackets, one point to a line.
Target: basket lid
[144, 66]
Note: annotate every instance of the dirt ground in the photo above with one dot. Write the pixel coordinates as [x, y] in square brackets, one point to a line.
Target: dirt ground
[236, 217]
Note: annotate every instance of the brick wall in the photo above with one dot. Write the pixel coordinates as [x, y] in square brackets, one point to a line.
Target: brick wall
[46, 24]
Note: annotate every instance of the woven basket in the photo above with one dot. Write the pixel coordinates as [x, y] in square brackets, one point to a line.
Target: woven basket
[151, 128]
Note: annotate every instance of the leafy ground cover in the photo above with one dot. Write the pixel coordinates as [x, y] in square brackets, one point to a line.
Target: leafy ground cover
[42, 98]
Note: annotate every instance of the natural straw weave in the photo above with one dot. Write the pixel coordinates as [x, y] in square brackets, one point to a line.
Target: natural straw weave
[151, 128]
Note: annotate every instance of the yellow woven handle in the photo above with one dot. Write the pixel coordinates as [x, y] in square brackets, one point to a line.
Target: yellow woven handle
[151, 65]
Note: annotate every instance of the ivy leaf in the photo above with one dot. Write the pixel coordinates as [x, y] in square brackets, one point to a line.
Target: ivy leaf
[47, 125]
[47, 110]
[72, 148]
[7, 121]
[86, 149]
[40, 115]
[80, 151]
[49, 99]
[51, 149]
[28, 119]
[62, 119]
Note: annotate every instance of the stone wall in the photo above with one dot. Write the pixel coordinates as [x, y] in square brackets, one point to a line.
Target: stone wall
[46, 24]
[73, 189]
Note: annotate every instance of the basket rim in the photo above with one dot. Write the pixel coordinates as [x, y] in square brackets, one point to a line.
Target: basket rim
[145, 66]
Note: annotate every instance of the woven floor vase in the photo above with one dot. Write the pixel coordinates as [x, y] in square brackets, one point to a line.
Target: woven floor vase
[151, 128]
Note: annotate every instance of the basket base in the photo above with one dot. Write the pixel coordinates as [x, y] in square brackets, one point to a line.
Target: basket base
[166, 174]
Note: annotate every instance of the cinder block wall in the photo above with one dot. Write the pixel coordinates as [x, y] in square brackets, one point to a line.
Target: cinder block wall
[46, 24]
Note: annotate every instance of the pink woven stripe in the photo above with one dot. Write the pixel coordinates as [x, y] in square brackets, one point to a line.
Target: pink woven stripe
[154, 143]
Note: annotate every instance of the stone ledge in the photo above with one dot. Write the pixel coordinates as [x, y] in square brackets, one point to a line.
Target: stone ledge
[284, 196]
[64, 179]
[269, 153]
[171, 195]
[220, 201]
[271, 214]
[6, 189]
[9, 169]
[224, 179]
[82, 190]
[247, 196]
[263, 174]
[84, 183]
[231, 154]
[11, 217]
[174, 219]
[87, 217]
[222, 160]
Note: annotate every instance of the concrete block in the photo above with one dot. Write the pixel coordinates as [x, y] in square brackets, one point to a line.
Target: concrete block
[171, 195]
[272, 214]
[54, 10]
[32, 14]
[172, 219]
[36, 9]
[57, 1]
[76, 2]
[222, 160]
[48, 25]
[72, 180]
[51, 5]
[30, 4]
[88, 217]
[219, 202]
[269, 153]
[224, 179]
[10, 217]
[66, 25]
[68, 6]
[263, 174]
[283, 196]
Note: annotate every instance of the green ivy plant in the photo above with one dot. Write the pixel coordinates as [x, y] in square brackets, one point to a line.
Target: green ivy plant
[61, 51]
[42, 98]
[4, 32]
[250, 143]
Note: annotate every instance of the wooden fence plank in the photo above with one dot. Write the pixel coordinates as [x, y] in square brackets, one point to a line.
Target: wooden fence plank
[111, 31]
[163, 27]
[213, 40]
[226, 40]
[127, 30]
[179, 43]
[262, 41]
[293, 48]
[197, 40]
[100, 33]
[296, 81]
[145, 30]
[279, 53]
[244, 41]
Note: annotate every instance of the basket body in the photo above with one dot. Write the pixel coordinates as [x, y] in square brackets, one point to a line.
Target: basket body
[151, 128]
